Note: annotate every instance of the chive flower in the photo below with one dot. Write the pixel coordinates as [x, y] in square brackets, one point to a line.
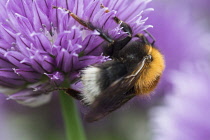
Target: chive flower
[42, 48]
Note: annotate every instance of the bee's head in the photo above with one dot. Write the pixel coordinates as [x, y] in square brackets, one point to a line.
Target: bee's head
[151, 72]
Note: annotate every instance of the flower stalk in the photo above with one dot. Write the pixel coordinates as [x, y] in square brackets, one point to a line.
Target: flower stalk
[71, 118]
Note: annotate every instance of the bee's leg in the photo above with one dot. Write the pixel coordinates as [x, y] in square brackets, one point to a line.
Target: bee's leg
[125, 27]
[144, 39]
[75, 94]
[151, 36]
[87, 25]
[113, 48]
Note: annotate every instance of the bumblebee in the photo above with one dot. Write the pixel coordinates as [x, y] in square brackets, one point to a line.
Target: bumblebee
[135, 68]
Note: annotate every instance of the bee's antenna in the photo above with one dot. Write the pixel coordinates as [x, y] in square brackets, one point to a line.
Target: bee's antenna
[151, 36]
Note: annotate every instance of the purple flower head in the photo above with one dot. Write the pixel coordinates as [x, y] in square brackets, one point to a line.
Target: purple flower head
[41, 47]
[187, 110]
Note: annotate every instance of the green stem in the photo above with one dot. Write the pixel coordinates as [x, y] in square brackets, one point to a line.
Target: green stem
[72, 121]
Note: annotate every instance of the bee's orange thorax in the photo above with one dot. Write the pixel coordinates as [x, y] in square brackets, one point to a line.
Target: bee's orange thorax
[151, 73]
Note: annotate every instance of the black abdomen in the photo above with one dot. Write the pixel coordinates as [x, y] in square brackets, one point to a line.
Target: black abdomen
[110, 72]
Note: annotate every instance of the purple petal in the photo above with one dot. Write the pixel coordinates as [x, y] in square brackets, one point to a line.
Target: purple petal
[137, 24]
[40, 62]
[48, 63]
[30, 98]
[40, 18]
[42, 42]
[9, 78]
[5, 63]
[64, 16]
[45, 6]
[127, 13]
[88, 60]
[106, 21]
[24, 23]
[67, 38]
[74, 76]
[9, 73]
[15, 58]
[23, 45]
[28, 74]
[4, 44]
[43, 87]
[92, 44]
[64, 60]
[92, 10]
[20, 9]
[56, 78]
[3, 12]
[27, 9]
[6, 33]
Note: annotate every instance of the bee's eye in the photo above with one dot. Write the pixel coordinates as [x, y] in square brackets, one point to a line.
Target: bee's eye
[149, 58]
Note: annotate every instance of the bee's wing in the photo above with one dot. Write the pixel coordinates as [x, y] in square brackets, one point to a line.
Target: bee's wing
[118, 93]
